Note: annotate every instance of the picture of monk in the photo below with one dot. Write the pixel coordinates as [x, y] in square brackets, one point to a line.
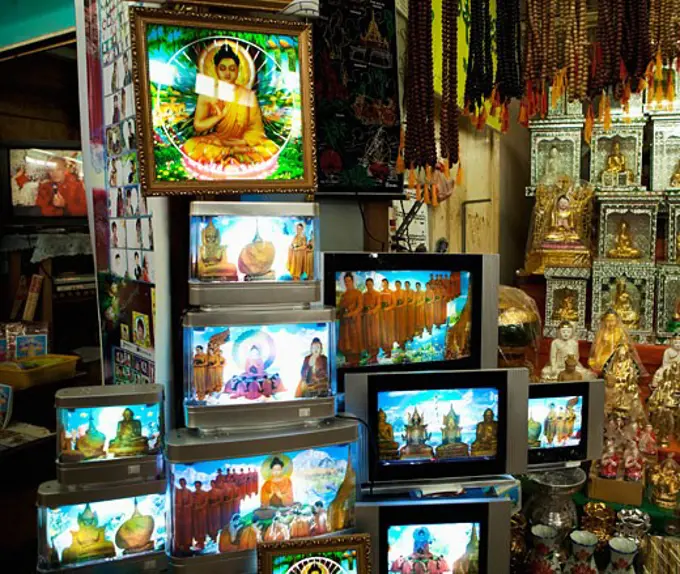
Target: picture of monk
[183, 519]
[387, 332]
[297, 254]
[278, 489]
[371, 312]
[199, 515]
[410, 310]
[400, 314]
[350, 342]
[420, 310]
[214, 510]
[429, 305]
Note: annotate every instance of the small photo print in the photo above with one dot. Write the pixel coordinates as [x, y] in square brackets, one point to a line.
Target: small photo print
[127, 102]
[129, 131]
[127, 67]
[147, 234]
[143, 207]
[114, 143]
[118, 262]
[117, 205]
[131, 201]
[114, 173]
[135, 239]
[118, 236]
[113, 108]
[147, 267]
[31, 346]
[140, 330]
[111, 78]
[130, 169]
[135, 264]
[124, 332]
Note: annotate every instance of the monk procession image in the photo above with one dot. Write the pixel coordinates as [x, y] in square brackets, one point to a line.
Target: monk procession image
[402, 317]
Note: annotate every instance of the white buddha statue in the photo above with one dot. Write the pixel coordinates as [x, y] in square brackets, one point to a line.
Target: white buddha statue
[565, 345]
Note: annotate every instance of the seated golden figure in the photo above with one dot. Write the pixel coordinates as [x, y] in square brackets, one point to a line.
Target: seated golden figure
[416, 438]
[91, 444]
[486, 440]
[615, 165]
[623, 305]
[129, 440]
[452, 445]
[567, 310]
[665, 479]
[675, 178]
[212, 256]
[388, 448]
[623, 244]
[562, 223]
[610, 335]
[89, 541]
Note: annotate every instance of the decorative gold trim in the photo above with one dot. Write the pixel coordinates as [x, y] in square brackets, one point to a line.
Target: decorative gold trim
[140, 19]
[360, 542]
[265, 5]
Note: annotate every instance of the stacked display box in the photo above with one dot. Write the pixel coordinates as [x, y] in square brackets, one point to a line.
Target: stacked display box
[566, 300]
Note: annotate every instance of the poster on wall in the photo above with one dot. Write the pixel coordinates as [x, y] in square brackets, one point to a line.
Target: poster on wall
[357, 99]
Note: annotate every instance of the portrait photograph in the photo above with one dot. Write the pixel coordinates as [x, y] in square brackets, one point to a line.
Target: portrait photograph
[226, 104]
[140, 330]
[134, 233]
[118, 262]
[135, 264]
[118, 236]
[46, 183]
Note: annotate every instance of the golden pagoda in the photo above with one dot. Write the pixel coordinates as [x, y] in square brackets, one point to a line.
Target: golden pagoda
[373, 37]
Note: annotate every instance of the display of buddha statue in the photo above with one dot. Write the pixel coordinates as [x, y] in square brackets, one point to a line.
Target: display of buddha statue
[621, 375]
[562, 223]
[670, 356]
[92, 443]
[89, 541]
[388, 448]
[452, 445]
[212, 256]
[486, 439]
[134, 535]
[675, 178]
[663, 408]
[563, 346]
[416, 438]
[129, 440]
[615, 166]
[665, 480]
[610, 335]
[256, 259]
[551, 172]
[623, 243]
[623, 305]
[567, 309]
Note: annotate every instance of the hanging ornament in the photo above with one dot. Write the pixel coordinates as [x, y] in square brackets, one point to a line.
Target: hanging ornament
[449, 133]
[508, 70]
[479, 83]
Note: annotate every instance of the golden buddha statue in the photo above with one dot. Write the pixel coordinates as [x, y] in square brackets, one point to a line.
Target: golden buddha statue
[665, 480]
[623, 305]
[416, 438]
[89, 541]
[663, 408]
[562, 223]
[621, 374]
[486, 439]
[129, 440]
[623, 244]
[134, 535]
[675, 178]
[91, 444]
[388, 448]
[615, 166]
[212, 256]
[609, 336]
[452, 445]
[567, 310]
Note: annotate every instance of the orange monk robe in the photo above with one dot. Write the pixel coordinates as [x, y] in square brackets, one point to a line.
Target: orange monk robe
[211, 369]
[410, 313]
[387, 331]
[401, 317]
[214, 512]
[429, 307]
[351, 339]
[444, 302]
[277, 492]
[200, 374]
[199, 517]
[182, 522]
[297, 257]
[437, 309]
[420, 312]
[371, 321]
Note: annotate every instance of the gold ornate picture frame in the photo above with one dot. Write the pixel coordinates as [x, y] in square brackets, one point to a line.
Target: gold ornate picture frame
[224, 104]
[350, 554]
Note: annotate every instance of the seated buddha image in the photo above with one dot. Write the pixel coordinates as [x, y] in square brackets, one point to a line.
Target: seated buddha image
[254, 382]
[552, 171]
[89, 541]
[675, 178]
[91, 444]
[230, 141]
[416, 437]
[566, 311]
[212, 256]
[486, 439]
[624, 306]
[277, 489]
[129, 440]
[388, 448]
[623, 243]
[256, 259]
[615, 168]
[562, 223]
[134, 535]
[452, 445]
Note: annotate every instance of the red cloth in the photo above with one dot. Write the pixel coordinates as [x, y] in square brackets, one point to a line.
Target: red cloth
[73, 192]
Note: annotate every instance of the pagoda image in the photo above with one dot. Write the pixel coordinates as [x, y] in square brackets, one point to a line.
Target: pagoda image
[469, 562]
[452, 444]
[416, 438]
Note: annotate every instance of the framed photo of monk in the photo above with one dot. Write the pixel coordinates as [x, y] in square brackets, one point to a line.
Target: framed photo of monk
[224, 104]
[42, 184]
[331, 555]
[410, 312]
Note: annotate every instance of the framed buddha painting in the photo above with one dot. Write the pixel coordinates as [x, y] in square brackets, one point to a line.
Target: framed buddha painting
[224, 104]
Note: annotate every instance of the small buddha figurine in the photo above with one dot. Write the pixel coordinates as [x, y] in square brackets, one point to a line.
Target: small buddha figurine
[665, 481]
[609, 463]
[486, 439]
[551, 173]
[567, 310]
[570, 373]
[675, 178]
[616, 165]
[560, 348]
[452, 445]
[387, 446]
[633, 463]
[647, 442]
[562, 223]
[610, 335]
[88, 541]
[129, 440]
[212, 256]
[623, 305]
[623, 243]
[416, 438]
[621, 375]
[663, 409]
[670, 355]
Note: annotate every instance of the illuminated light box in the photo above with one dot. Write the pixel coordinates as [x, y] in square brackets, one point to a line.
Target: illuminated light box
[412, 311]
[566, 422]
[248, 365]
[438, 535]
[109, 433]
[253, 253]
[229, 493]
[104, 530]
[439, 425]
